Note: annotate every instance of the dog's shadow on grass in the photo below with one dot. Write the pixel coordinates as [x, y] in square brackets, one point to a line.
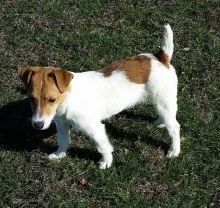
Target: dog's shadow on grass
[17, 133]
[132, 136]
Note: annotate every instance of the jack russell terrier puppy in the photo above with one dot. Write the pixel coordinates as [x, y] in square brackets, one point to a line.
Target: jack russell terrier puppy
[85, 99]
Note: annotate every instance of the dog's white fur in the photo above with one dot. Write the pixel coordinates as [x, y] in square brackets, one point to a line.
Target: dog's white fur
[93, 98]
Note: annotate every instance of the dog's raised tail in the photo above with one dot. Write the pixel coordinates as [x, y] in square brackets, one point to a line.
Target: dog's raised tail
[166, 48]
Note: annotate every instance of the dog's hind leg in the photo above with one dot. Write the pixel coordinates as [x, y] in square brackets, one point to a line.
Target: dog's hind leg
[167, 114]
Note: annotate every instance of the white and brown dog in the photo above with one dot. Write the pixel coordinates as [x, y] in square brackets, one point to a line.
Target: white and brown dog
[85, 99]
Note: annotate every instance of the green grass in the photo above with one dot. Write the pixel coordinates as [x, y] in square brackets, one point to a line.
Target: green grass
[88, 35]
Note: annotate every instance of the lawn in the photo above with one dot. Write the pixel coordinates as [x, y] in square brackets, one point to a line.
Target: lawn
[88, 35]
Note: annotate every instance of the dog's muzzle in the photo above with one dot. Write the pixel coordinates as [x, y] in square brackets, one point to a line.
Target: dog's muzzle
[38, 124]
[41, 122]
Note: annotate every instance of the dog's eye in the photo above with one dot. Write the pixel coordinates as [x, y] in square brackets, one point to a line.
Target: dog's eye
[52, 100]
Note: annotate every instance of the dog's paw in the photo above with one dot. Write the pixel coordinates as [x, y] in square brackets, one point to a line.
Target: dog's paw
[56, 155]
[104, 165]
[158, 123]
[106, 162]
[173, 152]
[161, 126]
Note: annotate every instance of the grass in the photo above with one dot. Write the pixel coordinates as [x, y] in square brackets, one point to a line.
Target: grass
[87, 35]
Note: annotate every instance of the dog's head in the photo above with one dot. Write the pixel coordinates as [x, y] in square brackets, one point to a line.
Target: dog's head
[46, 88]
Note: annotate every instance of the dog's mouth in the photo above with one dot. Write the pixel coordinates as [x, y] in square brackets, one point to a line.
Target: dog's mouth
[41, 123]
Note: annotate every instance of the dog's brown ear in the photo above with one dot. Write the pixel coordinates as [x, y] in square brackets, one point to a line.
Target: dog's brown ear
[25, 73]
[62, 79]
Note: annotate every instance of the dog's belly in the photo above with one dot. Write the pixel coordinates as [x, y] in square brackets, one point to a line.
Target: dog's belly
[123, 101]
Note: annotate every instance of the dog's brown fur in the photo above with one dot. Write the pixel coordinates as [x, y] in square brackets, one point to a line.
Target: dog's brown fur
[46, 87]
[136, 68]
[163, 58]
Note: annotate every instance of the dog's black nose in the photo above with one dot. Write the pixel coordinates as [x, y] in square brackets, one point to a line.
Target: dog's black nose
[38, 124]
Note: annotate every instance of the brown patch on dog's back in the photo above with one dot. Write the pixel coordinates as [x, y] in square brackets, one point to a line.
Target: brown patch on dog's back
[163, 58]
[137, 68]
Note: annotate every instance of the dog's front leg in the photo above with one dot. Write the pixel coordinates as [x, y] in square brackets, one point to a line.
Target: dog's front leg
[63, 139]
[96, 131]
[98, 134]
